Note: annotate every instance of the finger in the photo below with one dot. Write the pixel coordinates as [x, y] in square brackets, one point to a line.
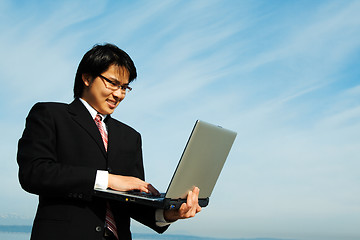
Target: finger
[186, 206]
[183, 210]
[196, 206]
[148, 188]
[197, 191]
[195, 195]
[192, 197]
[189, 199]
[143, 189]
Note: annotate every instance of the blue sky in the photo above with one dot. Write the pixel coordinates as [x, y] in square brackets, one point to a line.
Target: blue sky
[283, 74]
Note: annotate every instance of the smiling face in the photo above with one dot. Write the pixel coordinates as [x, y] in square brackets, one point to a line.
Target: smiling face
[101, 98]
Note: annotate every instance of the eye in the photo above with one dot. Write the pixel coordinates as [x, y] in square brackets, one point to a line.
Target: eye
[113, 83]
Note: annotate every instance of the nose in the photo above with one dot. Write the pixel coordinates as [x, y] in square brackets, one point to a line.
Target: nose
[119, 94]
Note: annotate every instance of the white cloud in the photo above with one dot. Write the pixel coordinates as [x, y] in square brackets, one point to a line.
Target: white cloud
[294, 161]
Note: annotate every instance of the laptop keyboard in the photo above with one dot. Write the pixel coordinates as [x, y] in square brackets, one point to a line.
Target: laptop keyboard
[146, 195]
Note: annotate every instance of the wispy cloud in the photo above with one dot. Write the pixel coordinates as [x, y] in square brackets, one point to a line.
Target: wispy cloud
[279, 74]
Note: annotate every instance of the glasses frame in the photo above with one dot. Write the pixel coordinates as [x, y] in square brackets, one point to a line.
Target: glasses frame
[114, 86]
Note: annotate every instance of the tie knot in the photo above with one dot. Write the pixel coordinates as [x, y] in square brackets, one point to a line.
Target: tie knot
[98, 118]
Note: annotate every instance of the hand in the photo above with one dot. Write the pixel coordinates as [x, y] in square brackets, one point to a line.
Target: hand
[186, 210]
[125, 183]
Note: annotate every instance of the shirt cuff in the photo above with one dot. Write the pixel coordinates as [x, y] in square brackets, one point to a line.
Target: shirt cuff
[102, 180]
[160, 220]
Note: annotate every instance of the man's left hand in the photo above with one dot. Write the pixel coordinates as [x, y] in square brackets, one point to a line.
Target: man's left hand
[186, 210]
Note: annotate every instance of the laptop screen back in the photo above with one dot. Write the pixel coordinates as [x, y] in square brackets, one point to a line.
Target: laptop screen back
[202, 160]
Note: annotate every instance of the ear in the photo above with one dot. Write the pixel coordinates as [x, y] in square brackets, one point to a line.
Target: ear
[86, 79]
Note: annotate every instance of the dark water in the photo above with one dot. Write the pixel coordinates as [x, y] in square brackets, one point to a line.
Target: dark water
[16, 232]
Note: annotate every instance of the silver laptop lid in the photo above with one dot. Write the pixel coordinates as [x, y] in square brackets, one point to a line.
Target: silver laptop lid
[202, 160]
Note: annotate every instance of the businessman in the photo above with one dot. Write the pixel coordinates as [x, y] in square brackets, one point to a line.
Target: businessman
[68, 150]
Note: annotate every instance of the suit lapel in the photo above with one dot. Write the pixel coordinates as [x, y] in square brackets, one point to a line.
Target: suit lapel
[115, 137]
[82, 116]
[112, 132]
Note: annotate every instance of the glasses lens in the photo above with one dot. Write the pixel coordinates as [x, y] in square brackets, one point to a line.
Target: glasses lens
[113, 86]
[121, 87]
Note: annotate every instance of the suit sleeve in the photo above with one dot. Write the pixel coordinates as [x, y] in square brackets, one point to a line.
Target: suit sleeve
[40, 171]
[146, 216]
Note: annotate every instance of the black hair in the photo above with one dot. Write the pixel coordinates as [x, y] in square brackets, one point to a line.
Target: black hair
[97, 60]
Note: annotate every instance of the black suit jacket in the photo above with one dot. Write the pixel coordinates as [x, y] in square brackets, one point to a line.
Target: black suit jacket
[58, 155]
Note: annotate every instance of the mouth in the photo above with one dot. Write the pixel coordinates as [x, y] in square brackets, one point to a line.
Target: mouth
[112, 103]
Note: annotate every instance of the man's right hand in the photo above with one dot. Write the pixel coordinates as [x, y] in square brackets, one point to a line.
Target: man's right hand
[126, 183]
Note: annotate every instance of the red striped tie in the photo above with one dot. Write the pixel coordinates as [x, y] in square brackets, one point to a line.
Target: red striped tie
[101, 129]
[109, 219]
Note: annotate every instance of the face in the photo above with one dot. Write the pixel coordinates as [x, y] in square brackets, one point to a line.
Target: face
[101, 98]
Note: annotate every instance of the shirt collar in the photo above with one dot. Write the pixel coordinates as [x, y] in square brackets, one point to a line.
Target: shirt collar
[91, 110]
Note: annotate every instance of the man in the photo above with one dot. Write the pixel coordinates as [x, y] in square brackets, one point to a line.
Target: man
[67, 150]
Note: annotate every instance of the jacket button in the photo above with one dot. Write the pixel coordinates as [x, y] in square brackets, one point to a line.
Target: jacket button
[98, 229]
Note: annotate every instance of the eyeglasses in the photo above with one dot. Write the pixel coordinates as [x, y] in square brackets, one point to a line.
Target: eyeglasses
[113, 85]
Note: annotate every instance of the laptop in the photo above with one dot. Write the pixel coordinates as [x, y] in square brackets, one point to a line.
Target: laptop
[200, 165]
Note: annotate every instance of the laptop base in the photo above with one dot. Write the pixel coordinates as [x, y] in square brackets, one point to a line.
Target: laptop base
[145, 199]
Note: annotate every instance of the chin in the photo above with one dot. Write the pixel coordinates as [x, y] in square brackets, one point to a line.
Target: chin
[111, 110]
[106, 111]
